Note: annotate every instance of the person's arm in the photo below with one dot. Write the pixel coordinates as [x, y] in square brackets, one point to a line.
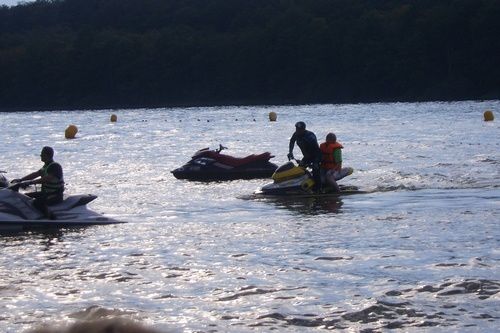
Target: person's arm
[44, 179]
[291, 145]
[337, 157]
[31, 176]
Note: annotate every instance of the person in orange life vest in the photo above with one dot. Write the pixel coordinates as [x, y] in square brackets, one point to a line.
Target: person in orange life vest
[331, 163]
[51, 178]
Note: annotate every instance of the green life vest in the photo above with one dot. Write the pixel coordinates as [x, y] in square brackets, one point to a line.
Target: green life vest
[54, 185]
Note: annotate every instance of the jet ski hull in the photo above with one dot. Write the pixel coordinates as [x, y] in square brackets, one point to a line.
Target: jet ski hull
[211, 165]
[214, 173]
[17, 213]
[299, 193]
[294, 181]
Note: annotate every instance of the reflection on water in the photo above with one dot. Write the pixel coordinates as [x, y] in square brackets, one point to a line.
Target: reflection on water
[306, 206]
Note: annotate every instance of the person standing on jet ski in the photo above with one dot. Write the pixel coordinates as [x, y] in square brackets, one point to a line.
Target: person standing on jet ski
[331, 164]
[308, 144]
[51, 178]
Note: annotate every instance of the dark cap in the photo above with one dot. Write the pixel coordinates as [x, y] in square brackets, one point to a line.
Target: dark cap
[48, 151]
[300, 125]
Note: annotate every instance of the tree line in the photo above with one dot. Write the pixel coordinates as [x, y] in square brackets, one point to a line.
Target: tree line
[145, 53]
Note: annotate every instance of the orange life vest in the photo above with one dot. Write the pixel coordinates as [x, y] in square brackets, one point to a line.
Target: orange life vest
[328, 161]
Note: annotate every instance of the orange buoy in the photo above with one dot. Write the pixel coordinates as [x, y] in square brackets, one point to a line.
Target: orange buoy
[488, 115]
[70, 132]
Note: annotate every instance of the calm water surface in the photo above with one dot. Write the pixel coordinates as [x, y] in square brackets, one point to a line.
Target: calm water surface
[420, 251]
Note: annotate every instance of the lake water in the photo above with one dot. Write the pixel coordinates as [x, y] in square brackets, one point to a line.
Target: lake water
[420, 251]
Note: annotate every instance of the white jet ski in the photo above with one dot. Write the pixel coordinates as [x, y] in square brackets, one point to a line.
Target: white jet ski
[18, 213]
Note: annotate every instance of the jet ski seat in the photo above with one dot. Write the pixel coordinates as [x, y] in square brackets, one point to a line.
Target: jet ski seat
[73, 201]
[238, 161]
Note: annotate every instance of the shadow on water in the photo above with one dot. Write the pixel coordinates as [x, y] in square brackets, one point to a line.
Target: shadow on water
[45, 237]
[307, 206]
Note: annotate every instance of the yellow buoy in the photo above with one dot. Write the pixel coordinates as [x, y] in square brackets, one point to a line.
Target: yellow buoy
[273, 116]
[113, 118]
[71, 132]
[488, 115]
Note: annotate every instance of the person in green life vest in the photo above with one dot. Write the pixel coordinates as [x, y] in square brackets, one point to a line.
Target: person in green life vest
[50, 176]
[331, 163]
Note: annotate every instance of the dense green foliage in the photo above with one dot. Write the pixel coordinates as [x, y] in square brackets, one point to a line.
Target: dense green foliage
[110, 53]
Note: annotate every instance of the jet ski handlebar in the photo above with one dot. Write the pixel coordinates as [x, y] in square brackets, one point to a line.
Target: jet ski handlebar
[221, 148]
[16, 185]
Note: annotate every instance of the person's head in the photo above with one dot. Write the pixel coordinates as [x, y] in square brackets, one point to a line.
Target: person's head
[47, 154]
[300, 127]
[331, 138]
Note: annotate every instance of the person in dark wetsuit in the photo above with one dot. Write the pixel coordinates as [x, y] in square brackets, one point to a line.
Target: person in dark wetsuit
[51, 178]
[308, 144]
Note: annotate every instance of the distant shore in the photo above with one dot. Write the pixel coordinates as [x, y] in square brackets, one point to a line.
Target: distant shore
[74, 55]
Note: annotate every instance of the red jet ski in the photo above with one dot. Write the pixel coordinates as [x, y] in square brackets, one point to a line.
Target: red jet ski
[209, 165]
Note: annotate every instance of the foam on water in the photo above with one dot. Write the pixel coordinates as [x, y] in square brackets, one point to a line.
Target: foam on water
[419, 251]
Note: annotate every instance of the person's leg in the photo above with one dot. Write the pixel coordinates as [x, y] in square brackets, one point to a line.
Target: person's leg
[316, 175]
[39, 200]
[330, 178]
[316, 172]
[43, 201]
[40, 203]
[50, 200]
[324, 179]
